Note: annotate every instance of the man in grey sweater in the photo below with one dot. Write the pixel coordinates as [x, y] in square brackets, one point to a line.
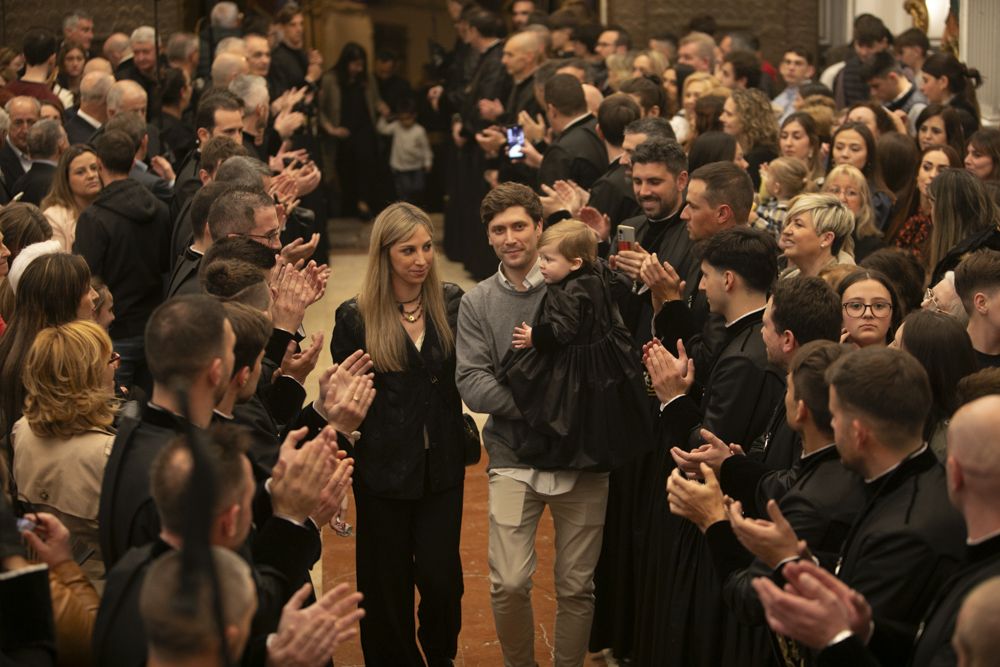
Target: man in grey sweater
[512, 214]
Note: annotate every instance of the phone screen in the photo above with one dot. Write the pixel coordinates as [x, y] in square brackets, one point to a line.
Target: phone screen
[515, 142]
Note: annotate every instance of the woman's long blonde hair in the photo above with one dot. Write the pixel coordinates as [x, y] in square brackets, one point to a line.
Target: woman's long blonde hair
[64, 381]
[864, 221]
[385, 338]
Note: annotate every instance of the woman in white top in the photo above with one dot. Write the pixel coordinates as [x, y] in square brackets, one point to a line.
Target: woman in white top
[75, 186]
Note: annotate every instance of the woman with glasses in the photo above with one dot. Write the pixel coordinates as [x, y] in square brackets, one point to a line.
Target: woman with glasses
[61, 444]
[409, 460]
[816, 234]
[870, 308]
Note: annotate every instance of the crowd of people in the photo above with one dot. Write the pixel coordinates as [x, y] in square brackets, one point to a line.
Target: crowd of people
[743, 342]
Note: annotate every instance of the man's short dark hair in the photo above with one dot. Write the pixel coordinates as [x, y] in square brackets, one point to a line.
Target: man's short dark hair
[913, 37]
[869, 29]
[201, 203]
[241, 248]
[187, 334]
[562, 19]
[131, 123]
[904, 270]
[38, 46]
[808, 307]
[508, 195]
[650, 93]
[745, 66]
[487, 23]
[225, 278]
[43, 139]
[614, 114]
[978, 272]
[879, 66]
[808, 370]
[983, 382]
[801, 52]
[217, 150]
[243, 169]
[546, 71]
[887, 386]
[252, 329]
[622, 38]
[725, 183]
[565, 93]
[214, 101]
[385, 56]
[172, 82]
[661, 151]
[654, 127]
[116, 151]
[226, 450]
[750, 253]
[234, 211]
[287, 13]
[580, 64]
[587, 34]
[705, 23]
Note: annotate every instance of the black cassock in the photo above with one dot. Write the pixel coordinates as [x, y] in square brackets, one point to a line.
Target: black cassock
[680, 616]
[580, 386]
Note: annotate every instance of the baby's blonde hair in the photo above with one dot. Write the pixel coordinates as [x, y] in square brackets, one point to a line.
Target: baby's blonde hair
[790, 174]
[573, 239]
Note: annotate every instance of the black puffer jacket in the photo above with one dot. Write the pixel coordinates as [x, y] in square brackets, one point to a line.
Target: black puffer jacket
[390, 458]
[125, 238]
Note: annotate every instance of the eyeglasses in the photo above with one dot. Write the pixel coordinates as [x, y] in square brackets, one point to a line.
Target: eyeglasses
[271, 237]
[879, 309]
[931, 302]
[115, 358]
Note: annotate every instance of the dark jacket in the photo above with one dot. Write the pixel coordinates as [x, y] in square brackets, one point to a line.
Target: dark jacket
[126, 515]
[27, 631]
[78, 131]
[987, 238]
[578, 155]
[184, 277]
[128, 70]
[288, 69]
[740, 394]
[391, 458]
[613, 195]
[489, 82]
[124, 235]
[160, 188]
[10, 165]
[36, 183]
[177, 137]
[907, 533]
[821, 505]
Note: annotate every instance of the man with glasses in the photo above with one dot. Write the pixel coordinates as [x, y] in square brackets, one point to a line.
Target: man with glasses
[249, 213]
[125, 238]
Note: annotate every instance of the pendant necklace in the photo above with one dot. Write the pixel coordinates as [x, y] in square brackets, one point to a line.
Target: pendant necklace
[411, 315]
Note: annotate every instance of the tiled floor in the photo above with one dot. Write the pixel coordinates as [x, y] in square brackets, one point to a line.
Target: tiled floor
[478, 644]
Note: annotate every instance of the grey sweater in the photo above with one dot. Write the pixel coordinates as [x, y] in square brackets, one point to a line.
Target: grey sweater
[486, 322]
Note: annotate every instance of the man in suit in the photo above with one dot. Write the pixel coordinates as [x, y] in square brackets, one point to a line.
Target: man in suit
[142, 68]
[799, 310]
[156, 175]
[14, 161]
[124, 235]
[578, 154]
[908, 531]
[281, 550]
[82, 123]
[184, 277]
[46, 142]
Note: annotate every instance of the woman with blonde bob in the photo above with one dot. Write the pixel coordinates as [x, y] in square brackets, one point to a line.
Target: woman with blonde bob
[409, 461]
[62, 442]
[817, 234]
[849, 185]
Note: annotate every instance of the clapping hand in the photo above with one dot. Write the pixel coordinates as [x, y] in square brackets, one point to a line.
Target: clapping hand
[298, 364]
[522, 336]
[712, 453]
[300, 475]
[300, 250]
[307, 637]
[671, 376]
[814, 606]
[701, 504]
[630, 261]
[662, 279]
[771, 541]
[598, 222]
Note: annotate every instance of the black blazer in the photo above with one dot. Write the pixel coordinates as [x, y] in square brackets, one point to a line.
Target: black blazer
[613, 194]
[36, 183]
[578, 155]
[78, 131]
[390, 458]
[908, 533]
[11, 167]
[184, 278]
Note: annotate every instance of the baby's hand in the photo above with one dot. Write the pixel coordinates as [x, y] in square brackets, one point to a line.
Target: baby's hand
[522, 336]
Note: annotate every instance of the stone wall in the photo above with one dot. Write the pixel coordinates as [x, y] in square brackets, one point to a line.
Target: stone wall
[123, 15]
[776, 22]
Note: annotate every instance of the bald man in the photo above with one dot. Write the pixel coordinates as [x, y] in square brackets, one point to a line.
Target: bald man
[116, 48]
[973, 478]
[98, 65]
[977, 633]
[522, 54]
[93, 112]
[226, 67]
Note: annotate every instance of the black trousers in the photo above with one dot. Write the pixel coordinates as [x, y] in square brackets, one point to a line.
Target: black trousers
[402, 544]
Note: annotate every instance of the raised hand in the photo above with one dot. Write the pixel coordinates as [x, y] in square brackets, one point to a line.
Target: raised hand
[671, 376]
[662, 279]
[771, 541]
[599, 222]
[299, 365]
[306, 637]
[712, 454]
[701, 504]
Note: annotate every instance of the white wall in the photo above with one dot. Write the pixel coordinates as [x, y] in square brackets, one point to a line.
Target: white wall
[896, 18]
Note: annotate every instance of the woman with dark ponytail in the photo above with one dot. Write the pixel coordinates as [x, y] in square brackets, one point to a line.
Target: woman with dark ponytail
[947, 80]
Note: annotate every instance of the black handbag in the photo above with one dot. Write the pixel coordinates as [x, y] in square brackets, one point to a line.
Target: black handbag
[471, 441]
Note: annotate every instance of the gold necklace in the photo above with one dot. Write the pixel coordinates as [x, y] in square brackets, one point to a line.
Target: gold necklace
[412, 315]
